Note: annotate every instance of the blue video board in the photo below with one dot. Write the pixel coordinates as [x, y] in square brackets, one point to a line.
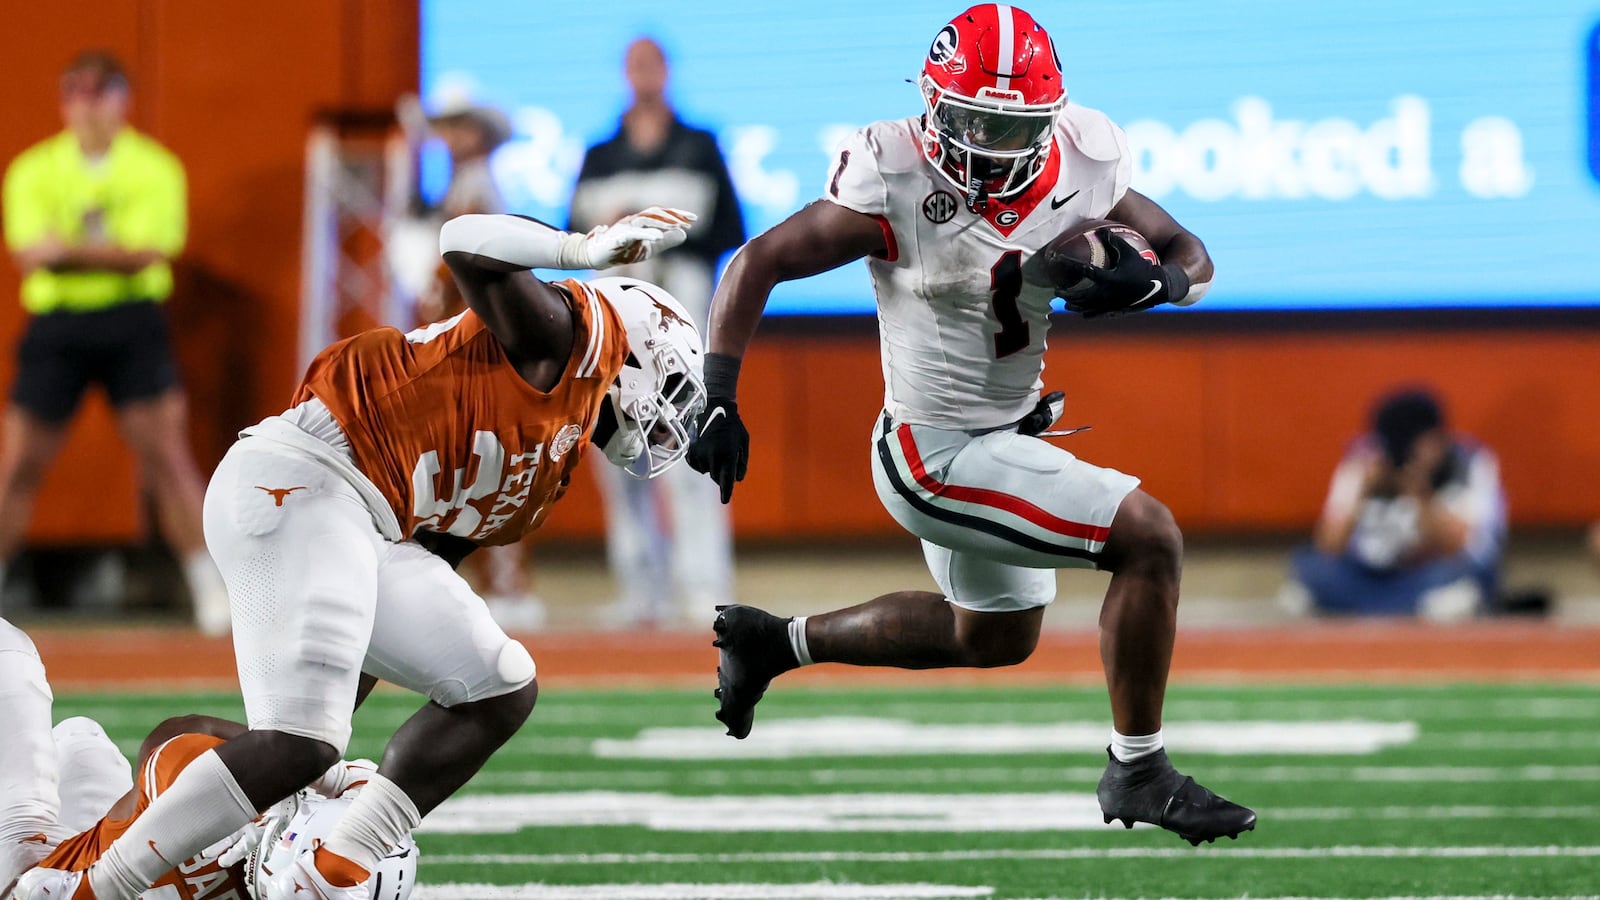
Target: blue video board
[1358, 155]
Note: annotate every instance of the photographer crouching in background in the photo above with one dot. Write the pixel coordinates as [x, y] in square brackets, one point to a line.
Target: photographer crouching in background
[1414, 523]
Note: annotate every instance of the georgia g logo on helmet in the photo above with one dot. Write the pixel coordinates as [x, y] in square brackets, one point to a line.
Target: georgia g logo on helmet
[943, 51]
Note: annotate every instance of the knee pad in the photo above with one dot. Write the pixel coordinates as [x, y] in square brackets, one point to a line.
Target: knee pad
[81, 734]
[94, 773]
[512, 670]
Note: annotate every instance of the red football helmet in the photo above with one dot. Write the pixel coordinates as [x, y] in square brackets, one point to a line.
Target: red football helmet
[992, 85]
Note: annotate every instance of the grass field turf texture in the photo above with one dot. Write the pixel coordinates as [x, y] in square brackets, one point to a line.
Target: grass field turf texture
[1404, 790]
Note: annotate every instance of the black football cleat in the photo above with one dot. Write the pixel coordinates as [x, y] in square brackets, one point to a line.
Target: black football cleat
[1150, 790]
[753, 648]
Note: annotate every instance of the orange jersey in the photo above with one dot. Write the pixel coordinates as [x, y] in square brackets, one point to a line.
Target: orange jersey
[455, 440]
[193, 880]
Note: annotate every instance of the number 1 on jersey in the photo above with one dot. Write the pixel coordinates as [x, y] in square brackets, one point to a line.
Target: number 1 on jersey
[1005, 286]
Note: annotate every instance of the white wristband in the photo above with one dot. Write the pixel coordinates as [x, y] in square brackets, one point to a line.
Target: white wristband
[514, 240]
[1196, 291]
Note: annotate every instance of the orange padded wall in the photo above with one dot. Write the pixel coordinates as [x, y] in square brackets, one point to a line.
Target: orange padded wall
[1235, 432]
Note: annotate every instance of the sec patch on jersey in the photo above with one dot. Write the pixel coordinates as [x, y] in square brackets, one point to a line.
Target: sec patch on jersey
[1088, 243]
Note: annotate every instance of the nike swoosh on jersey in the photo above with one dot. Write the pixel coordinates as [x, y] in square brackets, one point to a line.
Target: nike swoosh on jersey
[1058, 202]
[1155, 286]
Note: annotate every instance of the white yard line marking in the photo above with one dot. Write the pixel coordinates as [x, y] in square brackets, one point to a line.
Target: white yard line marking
[1519, 740]
[874, 812]
[819, 890]
[1062, 776]
[1225, 854]
[1319, 813]
[509, 813]
[791, 738]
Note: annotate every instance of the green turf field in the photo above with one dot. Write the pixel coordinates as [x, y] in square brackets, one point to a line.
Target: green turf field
[1409, 791]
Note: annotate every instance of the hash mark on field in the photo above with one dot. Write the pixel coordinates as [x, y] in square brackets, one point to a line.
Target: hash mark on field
[1225, 854]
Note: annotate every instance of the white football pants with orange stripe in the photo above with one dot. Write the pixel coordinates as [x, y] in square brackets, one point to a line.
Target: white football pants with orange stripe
[320, 596]
[997, 513]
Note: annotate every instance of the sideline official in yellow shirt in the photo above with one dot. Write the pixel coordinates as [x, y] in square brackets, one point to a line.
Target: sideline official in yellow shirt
[93, 217]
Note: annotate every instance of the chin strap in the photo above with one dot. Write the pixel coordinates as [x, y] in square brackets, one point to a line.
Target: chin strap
[978, 172]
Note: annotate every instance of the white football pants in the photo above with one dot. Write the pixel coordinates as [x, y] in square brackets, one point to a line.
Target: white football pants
[319, 596]
[998, 512]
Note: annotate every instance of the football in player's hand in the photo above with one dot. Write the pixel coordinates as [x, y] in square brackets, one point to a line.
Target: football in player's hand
[1086, 243]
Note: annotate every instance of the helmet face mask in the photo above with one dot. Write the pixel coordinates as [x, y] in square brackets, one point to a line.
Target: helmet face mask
[659, 394]
[992, 89]
[297, 825]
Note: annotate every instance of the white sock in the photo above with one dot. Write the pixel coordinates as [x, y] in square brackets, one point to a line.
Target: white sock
[797, 640]
[374, 824]
[30, 801]
[202, 805]
[1129, 748]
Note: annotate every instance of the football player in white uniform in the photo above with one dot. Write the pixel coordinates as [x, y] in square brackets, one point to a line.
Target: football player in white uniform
[949, 209]
[66, 792]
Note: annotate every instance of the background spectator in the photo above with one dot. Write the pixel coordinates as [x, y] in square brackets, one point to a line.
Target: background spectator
[93, 217]
[655, 159]
[1414, 522]
[470, 131]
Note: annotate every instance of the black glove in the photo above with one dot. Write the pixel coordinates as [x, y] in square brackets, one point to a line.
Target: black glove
[1130, 284]
[721, 446]
[1045, 413]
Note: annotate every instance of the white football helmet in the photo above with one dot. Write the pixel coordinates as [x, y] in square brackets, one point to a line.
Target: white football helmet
[305, 820]
[659, 392]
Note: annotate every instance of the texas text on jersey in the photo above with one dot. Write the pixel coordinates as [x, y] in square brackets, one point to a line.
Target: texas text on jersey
[452, 437]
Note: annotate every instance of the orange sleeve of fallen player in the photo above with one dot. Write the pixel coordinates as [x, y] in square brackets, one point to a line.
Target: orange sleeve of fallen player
[156, 773]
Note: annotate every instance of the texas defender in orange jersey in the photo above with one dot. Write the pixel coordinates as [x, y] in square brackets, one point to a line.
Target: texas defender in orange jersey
[319, 519]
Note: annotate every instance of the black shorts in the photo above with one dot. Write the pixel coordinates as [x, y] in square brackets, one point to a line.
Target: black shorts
[127, 349]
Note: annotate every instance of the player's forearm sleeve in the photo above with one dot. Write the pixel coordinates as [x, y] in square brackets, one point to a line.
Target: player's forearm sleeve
[514, 240]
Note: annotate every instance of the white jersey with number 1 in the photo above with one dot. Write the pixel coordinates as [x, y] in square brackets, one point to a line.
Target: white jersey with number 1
[962, 331]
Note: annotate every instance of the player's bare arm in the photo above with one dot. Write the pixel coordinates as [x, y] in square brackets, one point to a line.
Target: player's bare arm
[822, 236]
[530, 319]
[1171, 241]
[491, 255]
[171, 728]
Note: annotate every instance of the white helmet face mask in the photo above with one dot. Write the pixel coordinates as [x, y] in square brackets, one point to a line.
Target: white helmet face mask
[1002, 139]
[299, 824]
[659, 392]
